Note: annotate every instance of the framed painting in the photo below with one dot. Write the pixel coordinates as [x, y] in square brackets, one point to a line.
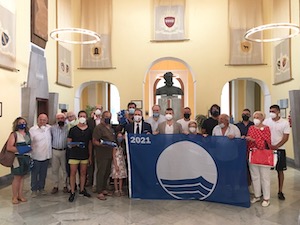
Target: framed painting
[39, 22]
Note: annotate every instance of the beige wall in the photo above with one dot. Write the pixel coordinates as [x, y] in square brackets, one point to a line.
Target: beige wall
[206, 53]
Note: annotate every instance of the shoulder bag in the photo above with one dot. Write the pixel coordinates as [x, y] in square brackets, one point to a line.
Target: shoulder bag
[7, 157]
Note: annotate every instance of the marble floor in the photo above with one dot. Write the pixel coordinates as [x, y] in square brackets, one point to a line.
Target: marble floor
[55, 209]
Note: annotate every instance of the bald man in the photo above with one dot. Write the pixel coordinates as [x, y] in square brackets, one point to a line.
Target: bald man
[224, 128]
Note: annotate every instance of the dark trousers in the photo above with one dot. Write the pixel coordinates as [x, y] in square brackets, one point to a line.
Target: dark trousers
[39, 174]
[104, 169]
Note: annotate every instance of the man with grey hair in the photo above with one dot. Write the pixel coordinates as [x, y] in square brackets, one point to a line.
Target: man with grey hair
[224, 128]
[59, 133]
[156, 117]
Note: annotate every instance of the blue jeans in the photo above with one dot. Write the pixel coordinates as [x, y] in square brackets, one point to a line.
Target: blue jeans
[39, 174]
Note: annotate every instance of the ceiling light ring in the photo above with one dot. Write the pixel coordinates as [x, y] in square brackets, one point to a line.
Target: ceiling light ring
[270, 26]
[53, 34]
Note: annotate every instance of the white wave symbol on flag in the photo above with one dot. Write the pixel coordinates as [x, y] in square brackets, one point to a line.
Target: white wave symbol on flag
[197, 188]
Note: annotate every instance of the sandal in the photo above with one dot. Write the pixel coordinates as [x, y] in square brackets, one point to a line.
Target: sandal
[105, 192]
[101, 197]
[15, 201]
[22, 199]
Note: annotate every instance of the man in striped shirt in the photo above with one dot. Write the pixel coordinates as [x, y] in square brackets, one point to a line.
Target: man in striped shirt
[59, 133]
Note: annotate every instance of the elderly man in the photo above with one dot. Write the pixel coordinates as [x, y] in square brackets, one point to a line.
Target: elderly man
[103, 132]
[224, 128]
[41, 153]
[59, 133]
[92, 122]
[156, 117]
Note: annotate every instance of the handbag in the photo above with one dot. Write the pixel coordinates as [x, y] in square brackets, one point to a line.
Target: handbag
[263, 157]
[7, 157]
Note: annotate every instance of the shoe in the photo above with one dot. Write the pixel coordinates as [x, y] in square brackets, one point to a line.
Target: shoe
[43, 192]
[254, 199]
[54, 190]
[65, 190]
[94, 189]
[122, 193]
[281, 196]
[265, 203]
[33, 194]
[117, 194]
[84, 193]
[72, 197]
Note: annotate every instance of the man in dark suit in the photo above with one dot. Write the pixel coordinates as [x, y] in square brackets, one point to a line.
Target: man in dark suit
[138, 126]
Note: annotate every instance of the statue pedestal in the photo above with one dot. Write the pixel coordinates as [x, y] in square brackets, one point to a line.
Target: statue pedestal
[171, 102]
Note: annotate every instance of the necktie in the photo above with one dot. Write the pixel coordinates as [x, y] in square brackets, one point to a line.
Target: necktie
[137, 129]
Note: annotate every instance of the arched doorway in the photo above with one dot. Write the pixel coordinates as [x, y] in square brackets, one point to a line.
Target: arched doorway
[183, 78]
[94, 93]
[242, 93]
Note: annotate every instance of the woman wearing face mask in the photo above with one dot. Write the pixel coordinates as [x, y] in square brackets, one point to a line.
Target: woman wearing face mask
[259, 137]
[19, 143]
[79, 141]
[192, 127]
[118, 168]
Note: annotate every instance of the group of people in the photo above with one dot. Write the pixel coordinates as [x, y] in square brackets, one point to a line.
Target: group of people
[271, 133]
[95, 150]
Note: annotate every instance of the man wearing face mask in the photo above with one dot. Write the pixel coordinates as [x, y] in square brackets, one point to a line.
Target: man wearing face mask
[280, 131]
[170, 126]
[103, 133]
[41, 154]
[156, 118]
[211, 122]
[138, 126]
[71, 120]
[92, 122]
[131, 106]
[185, 120]
[245, 123]
[224, 128]
[59, 133]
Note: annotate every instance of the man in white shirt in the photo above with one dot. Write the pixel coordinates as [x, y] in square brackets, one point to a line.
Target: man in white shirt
[156, 117]
[280, 131]
[185, 120]
[41, 153]
[224, 128]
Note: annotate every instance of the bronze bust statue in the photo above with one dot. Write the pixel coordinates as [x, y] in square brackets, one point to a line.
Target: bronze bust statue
[168, 89]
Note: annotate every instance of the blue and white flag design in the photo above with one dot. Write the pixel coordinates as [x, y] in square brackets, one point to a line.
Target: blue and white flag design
[188, 167]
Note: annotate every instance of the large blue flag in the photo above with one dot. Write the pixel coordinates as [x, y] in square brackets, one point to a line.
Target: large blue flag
[188, 167]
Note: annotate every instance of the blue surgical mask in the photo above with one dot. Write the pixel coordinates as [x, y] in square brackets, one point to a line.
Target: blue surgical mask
[155, 114]
[119, 139]
[22, 126]
[131, 110]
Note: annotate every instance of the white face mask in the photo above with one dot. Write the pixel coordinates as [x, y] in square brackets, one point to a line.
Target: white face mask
[98, 112]
[72, 122]
[168, 116]
[273, 115]
[137, 118]
[192, 129]
[222, 125]
[256, 122]
[82, 120]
